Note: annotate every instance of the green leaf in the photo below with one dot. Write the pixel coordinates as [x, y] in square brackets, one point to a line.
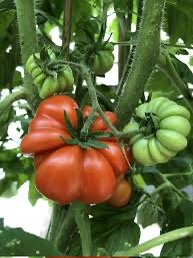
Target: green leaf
[33, 194]
[160, 85]
[69, 125]
[6, 5]
[16, 242]
[179, 16]
[148, 214]
[182, 216]
[97, 144]
[125, 236]
[80, 120]
[183, 70]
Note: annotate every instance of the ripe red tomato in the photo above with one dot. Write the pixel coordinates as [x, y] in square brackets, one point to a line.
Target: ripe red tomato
[122, 193]
[64, 172]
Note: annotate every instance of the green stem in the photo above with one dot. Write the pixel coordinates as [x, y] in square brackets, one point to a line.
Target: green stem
[95, 103]
[83, 223]
[63, 225]
[88, 123]
[145, 58]
[163, 239]
[67, 26]
[28, 42]
[6, 103]
[166, 66]
[167, 183]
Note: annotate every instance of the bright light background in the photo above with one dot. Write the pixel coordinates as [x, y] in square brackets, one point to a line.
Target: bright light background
[18, 212]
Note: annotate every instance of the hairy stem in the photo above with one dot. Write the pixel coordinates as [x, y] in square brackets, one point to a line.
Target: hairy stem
[6, 103]
[163, 239]
[67, 26]
[145, 58]
[95, 104]
[28, 42]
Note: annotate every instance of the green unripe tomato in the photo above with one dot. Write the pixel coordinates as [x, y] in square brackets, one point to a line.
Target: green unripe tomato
[103, 60]
[64, 82]
[109, 47]
[48, 85]
[168, 127]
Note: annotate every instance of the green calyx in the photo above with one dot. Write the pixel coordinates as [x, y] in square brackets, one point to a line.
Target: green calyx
[84, 139]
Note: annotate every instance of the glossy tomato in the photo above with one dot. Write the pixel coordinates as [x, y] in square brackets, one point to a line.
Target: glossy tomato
[65, 172]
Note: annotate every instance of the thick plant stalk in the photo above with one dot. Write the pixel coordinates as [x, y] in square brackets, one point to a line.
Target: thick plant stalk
[28, 43]
[6, 103]
[163, 239]
[145, 58]
[67, 26]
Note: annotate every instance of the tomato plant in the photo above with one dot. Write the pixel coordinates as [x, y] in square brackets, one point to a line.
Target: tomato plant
[96, 119]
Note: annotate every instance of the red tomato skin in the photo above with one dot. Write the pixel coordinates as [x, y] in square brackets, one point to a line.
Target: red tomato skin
[41, 156]
[115, 157]
[98, 178]
[99, 124]
[59, 177]
[122, 194]
[43, 140]
[44, 122]
[54, 107]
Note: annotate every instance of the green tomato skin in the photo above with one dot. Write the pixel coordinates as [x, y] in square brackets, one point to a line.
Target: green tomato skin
[108, 47]
[30, 64]
[168, 153]
[176, 123]
[131, 129]
[174, 110]
[36, 72]
[141, 152]
[69, 79]
[171, 140]
[38, 81]
[156, 154]
[155, 104]
[50, 86]
[164, 106]
[168, 135]
[103, 62]
[135, 138]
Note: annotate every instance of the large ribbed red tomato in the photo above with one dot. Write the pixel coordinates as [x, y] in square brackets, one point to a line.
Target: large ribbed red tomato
[64, 172]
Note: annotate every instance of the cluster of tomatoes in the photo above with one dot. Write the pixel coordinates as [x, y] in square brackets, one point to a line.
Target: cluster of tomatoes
[71, 165]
